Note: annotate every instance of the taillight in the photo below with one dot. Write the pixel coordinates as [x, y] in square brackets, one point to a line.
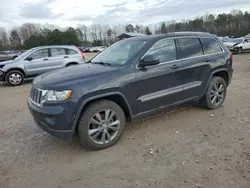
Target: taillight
[231, 58]
[83, 58]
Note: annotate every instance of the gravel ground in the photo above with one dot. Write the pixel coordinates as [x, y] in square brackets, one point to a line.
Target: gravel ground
[183, 147]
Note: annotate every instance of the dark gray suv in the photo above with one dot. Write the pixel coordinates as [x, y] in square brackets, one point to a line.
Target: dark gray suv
[131, 79]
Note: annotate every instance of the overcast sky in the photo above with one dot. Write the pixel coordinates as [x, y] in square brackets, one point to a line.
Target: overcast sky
[73, 12]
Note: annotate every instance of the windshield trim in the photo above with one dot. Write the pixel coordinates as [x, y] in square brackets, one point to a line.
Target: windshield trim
[24, 55]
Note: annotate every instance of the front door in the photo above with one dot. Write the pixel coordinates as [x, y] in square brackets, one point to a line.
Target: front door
[37, 66]
[160, 85]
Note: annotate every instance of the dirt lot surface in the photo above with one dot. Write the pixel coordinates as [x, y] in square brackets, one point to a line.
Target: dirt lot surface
[183, 147]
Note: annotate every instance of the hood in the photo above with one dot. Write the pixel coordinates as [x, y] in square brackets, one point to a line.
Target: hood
[7, 62]
[72, 74]
[230, 44]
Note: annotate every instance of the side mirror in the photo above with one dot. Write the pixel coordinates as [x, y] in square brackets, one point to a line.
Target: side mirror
[15, 56]
[29, 58]
[149, 60]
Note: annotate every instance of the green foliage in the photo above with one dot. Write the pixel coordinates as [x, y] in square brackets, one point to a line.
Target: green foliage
[55, 37]
[147, 31]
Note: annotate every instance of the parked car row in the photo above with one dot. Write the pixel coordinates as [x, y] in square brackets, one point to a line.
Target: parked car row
[238, 45]
[93, 49]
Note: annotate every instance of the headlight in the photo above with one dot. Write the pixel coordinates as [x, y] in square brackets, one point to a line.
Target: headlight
[50, 95]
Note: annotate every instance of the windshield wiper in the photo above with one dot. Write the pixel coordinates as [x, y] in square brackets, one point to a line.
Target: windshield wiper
[101, 63]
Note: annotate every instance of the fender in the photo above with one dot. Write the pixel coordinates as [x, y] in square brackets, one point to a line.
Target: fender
[210, 77]
[98, 97]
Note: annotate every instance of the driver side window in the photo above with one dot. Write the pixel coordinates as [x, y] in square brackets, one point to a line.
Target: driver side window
[43, 53]
[164, 49]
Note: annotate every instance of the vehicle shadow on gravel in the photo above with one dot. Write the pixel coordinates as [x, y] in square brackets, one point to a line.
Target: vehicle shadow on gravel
[50, 143]
[26, 82]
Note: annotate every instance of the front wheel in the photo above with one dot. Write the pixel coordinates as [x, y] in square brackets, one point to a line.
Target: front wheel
[14, 78]
[215, 94]
[239, 51]
[101, 125]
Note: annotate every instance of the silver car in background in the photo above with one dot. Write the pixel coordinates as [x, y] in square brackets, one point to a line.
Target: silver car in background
[37, 61]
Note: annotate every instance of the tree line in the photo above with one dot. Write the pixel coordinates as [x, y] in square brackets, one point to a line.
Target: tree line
[234, 24]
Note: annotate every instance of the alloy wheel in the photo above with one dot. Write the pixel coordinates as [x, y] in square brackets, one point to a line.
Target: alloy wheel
[217, 93]
[15, 78]
[104, 126]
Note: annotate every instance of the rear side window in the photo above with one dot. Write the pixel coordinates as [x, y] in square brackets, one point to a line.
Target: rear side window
[165, 49]
[210, 46]
[190, 47]
[71, 52]
[55, 52]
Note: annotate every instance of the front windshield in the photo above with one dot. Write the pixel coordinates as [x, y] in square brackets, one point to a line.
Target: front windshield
[235, 40]
[23, 54]
[119, 53]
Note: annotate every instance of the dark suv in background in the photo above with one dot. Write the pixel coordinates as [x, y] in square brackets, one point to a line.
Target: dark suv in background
[129, 80]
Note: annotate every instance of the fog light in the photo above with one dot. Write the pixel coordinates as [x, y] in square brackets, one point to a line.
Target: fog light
[1, 73]
[50, 120]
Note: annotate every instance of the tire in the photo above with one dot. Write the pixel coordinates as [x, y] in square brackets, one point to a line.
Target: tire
[208, 99]
[239, 51]
[90, 114]
[14, 78]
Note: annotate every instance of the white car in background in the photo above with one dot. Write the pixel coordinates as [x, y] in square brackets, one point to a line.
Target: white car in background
[238, 45]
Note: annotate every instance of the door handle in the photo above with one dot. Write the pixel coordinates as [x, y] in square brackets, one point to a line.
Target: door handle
[207, 59]
[175, 66]
[66, 56]
[45, 59]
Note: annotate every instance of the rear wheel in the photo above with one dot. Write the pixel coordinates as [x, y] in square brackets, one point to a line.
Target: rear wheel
[101, 125]
[14, 78]
[215, 94]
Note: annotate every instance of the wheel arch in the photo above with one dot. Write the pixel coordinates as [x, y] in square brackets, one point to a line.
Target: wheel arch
[116, 97]
[15, 69]
[222, 72]
[71, 63]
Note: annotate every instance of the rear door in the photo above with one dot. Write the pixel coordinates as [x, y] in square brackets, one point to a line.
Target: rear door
[57, 58]
[198, 56]
[194, 64]
[38, 63]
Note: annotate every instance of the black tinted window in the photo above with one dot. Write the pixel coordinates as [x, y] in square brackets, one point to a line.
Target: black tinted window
[210, 46]
[71, 52]
[190, 47]
[43, 53]
[57, 52]
[164, 49]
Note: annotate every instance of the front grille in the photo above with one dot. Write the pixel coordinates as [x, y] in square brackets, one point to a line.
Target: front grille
[36, 96]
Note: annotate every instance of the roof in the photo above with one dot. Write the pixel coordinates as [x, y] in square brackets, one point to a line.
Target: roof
[130, 34]
[55, 46]
[172, 34]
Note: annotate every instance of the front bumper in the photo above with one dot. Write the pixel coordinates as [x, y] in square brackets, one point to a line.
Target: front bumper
[55, 120]
[2, 75]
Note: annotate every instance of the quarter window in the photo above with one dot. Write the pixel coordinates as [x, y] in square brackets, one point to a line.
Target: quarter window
[210, 46]
[190, 47]
[71, 52]
[165, 49]
[57, 52]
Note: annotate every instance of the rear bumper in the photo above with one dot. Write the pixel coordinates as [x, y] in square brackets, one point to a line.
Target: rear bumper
[230, 75]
